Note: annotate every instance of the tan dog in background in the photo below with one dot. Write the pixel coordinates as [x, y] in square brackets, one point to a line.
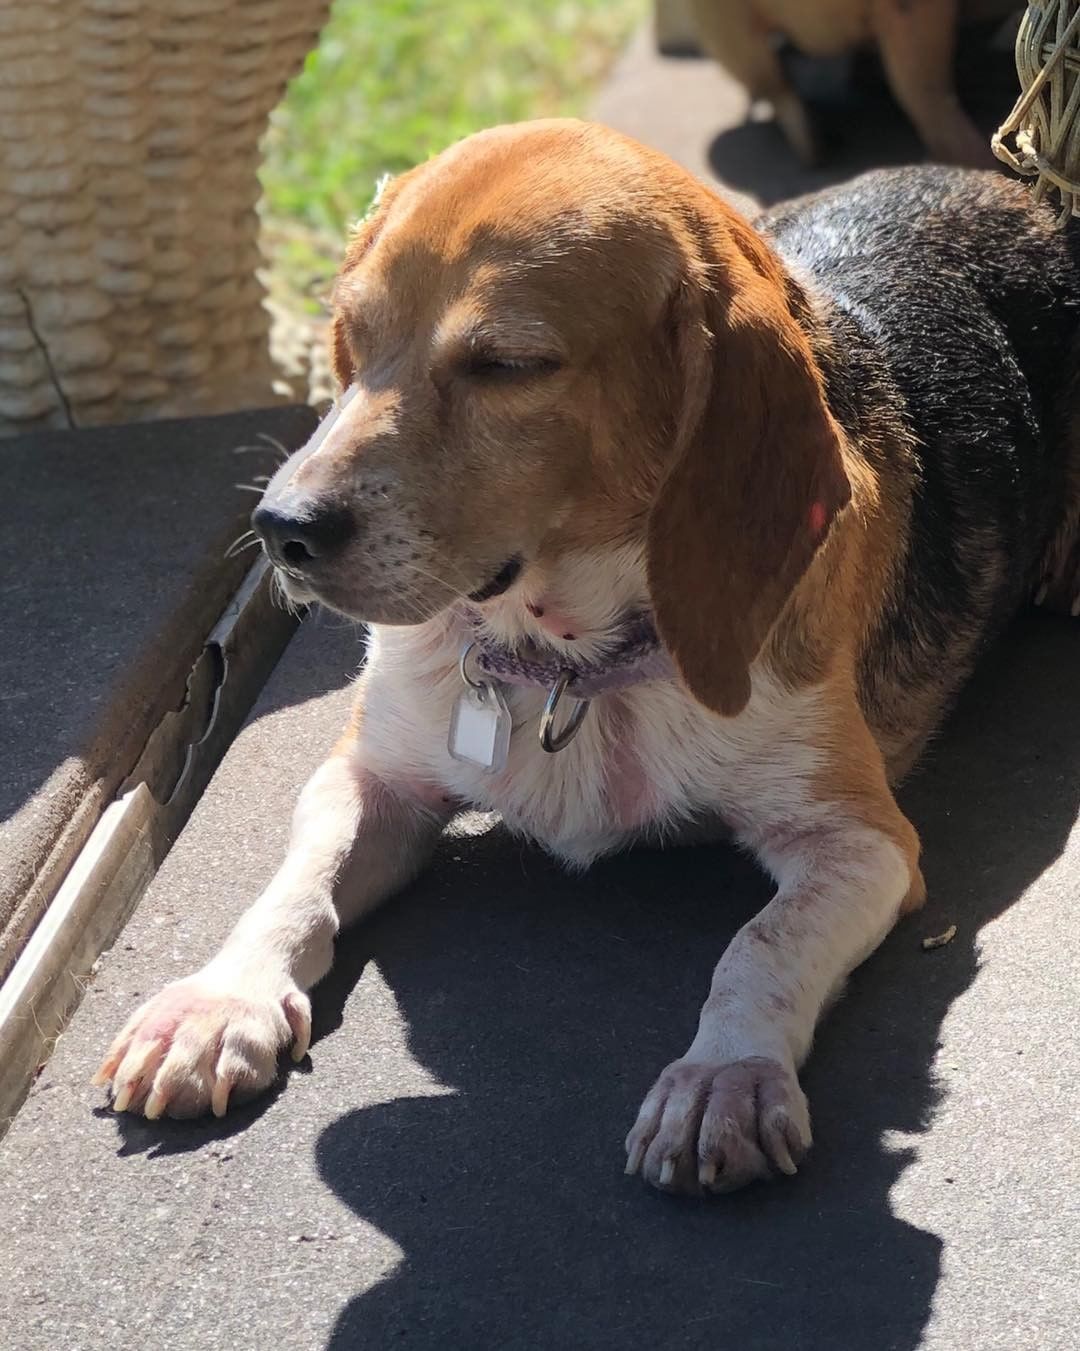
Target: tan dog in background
[583, 398]
[916, 39]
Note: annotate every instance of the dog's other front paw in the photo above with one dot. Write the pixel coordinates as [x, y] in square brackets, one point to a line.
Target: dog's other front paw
[204, 1042]
[717, 1127]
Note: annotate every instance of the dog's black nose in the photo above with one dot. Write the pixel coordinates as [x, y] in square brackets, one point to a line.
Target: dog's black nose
[297, 535]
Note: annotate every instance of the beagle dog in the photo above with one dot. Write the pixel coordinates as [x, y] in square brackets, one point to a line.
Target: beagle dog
[916, 40]
[659, 521]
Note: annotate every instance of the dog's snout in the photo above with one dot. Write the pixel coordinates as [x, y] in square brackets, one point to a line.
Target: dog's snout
[297, 535]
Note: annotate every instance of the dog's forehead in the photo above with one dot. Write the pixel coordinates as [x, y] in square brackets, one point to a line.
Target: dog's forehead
[431, 254]
[516, 195]
[530, 216]
[497, 229]
[523, 172]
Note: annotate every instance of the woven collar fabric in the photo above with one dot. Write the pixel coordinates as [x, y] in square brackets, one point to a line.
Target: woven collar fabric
[636, 655]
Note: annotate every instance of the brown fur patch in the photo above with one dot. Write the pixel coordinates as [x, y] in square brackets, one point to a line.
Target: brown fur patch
[757, 474]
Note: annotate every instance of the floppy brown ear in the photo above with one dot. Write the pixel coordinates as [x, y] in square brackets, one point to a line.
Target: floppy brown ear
[756, 476]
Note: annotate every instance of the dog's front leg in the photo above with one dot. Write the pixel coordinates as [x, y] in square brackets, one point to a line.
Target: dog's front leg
[215, 1037]
[731, 1109]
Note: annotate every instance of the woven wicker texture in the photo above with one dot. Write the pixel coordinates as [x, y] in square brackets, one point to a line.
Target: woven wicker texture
[129, 143]
[1045, 123]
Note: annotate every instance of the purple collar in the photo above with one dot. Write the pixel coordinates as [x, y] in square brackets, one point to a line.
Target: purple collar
[635, 656]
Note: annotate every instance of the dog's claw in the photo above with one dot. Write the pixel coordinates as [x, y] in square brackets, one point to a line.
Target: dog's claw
[155, 1106]
[297, 1011]
[707, 1174]
[780, 1156]
[121, 1100]
[667, 1172]
[219, 1101]
[633, 1163]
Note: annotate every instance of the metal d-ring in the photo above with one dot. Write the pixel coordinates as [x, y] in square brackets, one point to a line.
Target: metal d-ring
[552, 743]
[463, 670]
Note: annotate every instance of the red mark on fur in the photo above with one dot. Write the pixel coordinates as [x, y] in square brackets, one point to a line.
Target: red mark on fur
[818, 519]
[553, 619]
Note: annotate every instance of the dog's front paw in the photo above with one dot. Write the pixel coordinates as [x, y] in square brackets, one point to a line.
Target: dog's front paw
[205, 1041]
[718, 1127]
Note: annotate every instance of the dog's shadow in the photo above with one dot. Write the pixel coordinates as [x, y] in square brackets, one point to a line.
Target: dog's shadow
[547, 1003]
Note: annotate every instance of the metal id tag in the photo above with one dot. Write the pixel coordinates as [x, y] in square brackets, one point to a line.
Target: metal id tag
[480, 727]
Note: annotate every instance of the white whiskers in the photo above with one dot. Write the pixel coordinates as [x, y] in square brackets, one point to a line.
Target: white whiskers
[248, 540]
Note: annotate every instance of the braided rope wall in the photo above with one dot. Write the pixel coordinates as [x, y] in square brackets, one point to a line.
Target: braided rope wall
[129, 143]
[1045, 120]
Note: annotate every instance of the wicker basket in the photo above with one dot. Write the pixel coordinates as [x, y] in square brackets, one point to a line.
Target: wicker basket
[129, 144]
[1045, 122]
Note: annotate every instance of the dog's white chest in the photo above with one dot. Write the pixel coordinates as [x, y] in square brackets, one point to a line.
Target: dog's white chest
[602, 789]
[645, 760]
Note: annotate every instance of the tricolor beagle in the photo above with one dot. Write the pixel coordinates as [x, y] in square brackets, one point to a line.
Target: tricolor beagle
[761, 496]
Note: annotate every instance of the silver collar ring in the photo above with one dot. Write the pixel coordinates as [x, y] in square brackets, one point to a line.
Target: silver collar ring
[463, 668]
[548, 740]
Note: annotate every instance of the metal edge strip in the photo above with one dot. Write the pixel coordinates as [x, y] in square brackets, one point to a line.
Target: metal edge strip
[109, 875]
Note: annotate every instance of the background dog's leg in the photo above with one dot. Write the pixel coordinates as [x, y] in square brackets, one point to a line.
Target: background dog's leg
[917, 40]
[731, 1109]
[215, 1037]
[736, 38]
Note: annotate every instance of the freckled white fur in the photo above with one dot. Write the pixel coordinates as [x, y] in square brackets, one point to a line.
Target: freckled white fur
[848, 902]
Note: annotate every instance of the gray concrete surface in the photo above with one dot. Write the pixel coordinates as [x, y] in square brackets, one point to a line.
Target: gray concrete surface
[114, 571]
[446, 1171]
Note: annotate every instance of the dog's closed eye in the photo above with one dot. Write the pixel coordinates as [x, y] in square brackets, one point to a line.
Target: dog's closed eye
[493, 366]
